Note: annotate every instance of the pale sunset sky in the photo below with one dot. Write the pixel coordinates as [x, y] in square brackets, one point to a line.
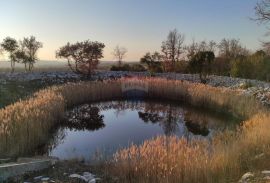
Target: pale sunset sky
[138, 25]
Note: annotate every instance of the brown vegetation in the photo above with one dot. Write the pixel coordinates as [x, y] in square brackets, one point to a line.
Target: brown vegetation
[222, 159]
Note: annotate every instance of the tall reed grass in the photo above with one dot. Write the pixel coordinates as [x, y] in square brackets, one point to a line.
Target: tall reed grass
[164, 159]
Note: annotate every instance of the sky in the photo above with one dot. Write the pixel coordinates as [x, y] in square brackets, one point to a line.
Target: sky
[138, 25]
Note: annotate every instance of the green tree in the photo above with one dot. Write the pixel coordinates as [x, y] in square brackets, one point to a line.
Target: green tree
[83, 57]
[30, 46]
[242, 67]
[201, 64]
[255, 66]
[10, 45]
[153, 62]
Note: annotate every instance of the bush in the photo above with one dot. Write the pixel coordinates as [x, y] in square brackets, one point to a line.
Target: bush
[181, 67]
[157, 68]
[114, 68]
[256, 66]
[201, 63]
[127, 67]
[221, 66]
[242, 67]
[137, 68]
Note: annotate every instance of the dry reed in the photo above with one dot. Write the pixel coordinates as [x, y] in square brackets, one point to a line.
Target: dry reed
[164, 159]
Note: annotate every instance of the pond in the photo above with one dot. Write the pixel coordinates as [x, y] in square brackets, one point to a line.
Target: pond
[97, 130]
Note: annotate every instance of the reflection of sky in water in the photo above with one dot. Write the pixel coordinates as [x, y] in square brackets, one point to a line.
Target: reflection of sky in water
[121, 129]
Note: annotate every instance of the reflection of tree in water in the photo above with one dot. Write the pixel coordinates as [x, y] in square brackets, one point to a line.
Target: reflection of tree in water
[170, 124]
[87, 117]
[197, 124]
[149, 117]
[196, 128]
[167, 116]
[84, 117]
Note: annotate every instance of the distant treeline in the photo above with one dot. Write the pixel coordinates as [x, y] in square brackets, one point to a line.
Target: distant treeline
[228, 58]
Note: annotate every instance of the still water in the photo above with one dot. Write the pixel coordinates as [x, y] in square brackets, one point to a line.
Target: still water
[93, 131]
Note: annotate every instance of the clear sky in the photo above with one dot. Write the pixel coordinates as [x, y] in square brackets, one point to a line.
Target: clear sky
[139, 25]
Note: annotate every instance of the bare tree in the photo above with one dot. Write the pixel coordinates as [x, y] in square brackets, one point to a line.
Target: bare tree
[203, 46]
[262, 10]
[173, 48]
[83, 57]
[192, 49]
[10, 45]
[212, 45]
[119, 53]
[231, 49]
[266, 47]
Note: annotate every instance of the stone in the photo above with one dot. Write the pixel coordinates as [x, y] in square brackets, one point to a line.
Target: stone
[246, 176]
[87, 177]
[259, 156]
[38, 178]
[266, 172]
[78, 177]
[45, 179]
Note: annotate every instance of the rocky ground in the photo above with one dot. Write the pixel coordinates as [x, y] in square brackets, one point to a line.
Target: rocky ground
[72, 171]
[62, 76]
[259, 89]
[259, 177]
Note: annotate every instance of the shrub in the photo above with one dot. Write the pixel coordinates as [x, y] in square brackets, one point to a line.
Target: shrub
[221, 66]
[181, 67]
[127, 67]
[242, 67]
[201, 64]
[153, 62]
[114, 68]
[255, 66]
[137, 68]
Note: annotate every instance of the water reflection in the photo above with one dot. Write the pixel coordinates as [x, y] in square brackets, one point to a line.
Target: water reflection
[106, 126]
[196, 129]
[168, 119]
[129, 122]
[84, 117]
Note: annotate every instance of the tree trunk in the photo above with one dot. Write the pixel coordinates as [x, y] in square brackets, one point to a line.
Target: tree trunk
[12, 63]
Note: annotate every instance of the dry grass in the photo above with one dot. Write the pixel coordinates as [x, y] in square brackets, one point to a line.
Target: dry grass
[223, 159]
[17, 122]
[163, 159]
